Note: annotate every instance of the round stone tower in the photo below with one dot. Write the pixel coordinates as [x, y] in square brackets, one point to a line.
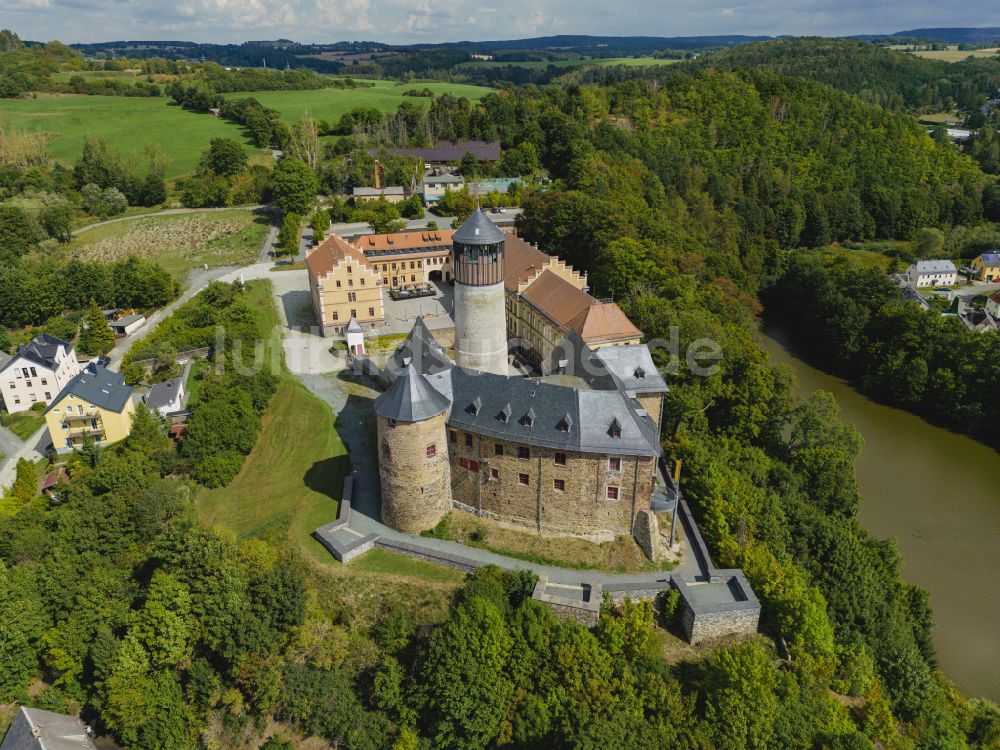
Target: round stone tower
[413, 453]
[480, 313]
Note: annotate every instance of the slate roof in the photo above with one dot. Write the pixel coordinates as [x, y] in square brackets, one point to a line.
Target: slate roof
[164, 394]
[449, 151]
[478, 230]
[55, 732]
[411, 398]
[419, 348]
[367, 192]
[935, 266]
[444, 179]
[990, 258]
[545, 414]
[5, 359]
[354, 326]
[632, 365]
[41, 350]
[99, 386]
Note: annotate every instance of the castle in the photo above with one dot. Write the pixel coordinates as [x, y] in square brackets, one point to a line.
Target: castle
[573, 451]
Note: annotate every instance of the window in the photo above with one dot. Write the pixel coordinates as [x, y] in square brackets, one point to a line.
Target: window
[338, 283]
[48, 395]
[468, 463]
[432, 450]
[362, 282]
[354, 313]
[80, 408]
[371, 312]
[395, 281]
[559, 485]
[33, 398]
[350, 282]
[352, 297]
[560, 459]
[17, 399]
[452, 436]
[468, 439]
[523, 452]
[612, 492]
[385, 279]
[34, 373]
[349, 269]
[522, 479]
[614, 463]
[45, 381]
[495, 474]
[413, 277]
[336, 315]
[498, 449]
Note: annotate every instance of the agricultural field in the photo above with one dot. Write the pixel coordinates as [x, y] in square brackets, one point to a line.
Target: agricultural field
[954, 54]
[575, 63]
[128, 123]
[179, 242]
[330, 104]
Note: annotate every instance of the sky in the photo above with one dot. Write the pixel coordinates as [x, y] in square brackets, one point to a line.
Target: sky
[403, 21]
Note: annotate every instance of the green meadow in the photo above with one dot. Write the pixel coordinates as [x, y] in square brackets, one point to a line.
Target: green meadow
[129, 123]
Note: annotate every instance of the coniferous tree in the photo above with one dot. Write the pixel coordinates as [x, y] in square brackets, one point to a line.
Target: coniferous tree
[97, 336]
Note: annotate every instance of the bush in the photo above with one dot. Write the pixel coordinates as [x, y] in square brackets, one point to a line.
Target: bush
[218, 469]
[667, 607]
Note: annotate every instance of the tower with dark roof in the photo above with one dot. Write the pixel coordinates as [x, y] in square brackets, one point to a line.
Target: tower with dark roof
[414, 469]
[480, 312]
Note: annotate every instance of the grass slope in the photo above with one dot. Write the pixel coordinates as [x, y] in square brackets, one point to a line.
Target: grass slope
[124, 122]
[24, 424]
[330, 104]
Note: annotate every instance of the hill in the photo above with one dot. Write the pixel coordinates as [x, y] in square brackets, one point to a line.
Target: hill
[957, 35]
[878, 75]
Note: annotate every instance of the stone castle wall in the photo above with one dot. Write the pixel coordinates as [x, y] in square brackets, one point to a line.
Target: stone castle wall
[416, 489]
[653, 404]
[582, 507]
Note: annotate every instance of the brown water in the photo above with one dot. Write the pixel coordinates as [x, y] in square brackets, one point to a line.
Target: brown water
[938, 495]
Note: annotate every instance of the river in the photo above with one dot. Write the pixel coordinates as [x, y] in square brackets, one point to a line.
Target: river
[938, 495]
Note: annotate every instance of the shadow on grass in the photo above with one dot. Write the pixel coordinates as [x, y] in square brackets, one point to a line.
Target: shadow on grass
[327, 476]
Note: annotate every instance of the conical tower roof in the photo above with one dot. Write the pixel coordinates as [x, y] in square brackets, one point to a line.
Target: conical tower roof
[478, 230]
[411, 398]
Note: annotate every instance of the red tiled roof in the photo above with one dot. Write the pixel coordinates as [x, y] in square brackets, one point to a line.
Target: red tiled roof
[329, 253]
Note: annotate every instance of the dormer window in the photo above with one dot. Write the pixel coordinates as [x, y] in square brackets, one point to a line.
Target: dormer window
[504, 415]
[565, 423]
[639, 373]
[475, 406]
[528, 419]
[615, 430]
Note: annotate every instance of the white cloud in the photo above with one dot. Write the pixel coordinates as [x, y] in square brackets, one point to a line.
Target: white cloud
[432, 20]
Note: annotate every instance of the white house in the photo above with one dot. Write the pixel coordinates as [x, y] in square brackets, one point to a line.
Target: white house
[993, 305]
[167, 397]
[435, 186]
[39, 370]
[932, 273]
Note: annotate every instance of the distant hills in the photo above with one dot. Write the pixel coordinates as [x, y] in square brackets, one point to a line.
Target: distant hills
[955, 35]
[582, 43]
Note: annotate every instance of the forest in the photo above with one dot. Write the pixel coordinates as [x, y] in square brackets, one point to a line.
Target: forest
[690, 197]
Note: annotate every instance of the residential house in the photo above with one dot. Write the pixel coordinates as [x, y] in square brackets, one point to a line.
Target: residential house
[40, 369]
[392, 194]
[343, 285]
[35, 729]
[126, 325]
[993, 305]
[167, 397]
[435, 186]
[987, 267]
[95, 403]
[932, 273]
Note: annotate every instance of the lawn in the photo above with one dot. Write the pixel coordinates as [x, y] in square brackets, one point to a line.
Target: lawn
[291, 484]
[128, 123]
[330, 104]
[575, 63]
[179, 242]
[24, 424]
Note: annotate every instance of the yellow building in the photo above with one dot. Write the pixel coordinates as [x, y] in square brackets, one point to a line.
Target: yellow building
[95, 403]
[406, 259]
[343, 285]
[547, 299]
[987, 267]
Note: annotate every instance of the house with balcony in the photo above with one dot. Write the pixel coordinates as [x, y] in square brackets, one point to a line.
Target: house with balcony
[40, 369]
[95, 404]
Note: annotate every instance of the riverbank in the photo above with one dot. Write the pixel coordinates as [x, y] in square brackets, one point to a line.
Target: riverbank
[938, 494]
